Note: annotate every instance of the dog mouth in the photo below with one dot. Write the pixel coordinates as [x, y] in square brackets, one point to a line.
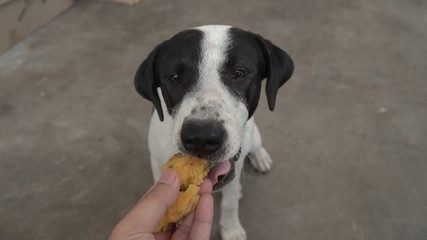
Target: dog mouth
[224, 172]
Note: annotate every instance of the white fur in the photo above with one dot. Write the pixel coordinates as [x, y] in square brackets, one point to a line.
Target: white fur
[210, 92]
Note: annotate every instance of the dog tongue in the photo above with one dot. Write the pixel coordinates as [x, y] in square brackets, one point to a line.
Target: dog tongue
[222, 169]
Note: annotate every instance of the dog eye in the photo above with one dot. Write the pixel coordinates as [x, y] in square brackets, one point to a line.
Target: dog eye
[239, 74]
[174, 78]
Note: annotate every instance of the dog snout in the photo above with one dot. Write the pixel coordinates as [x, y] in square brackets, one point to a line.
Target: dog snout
[202, 138]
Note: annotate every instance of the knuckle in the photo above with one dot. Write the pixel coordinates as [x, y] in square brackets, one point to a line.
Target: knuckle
[156, 196]
[184, 228]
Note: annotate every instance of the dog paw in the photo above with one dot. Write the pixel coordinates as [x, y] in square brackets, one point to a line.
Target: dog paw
[233, 232]
[261, 160]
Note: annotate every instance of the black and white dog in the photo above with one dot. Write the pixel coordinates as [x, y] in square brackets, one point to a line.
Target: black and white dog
[205, 84]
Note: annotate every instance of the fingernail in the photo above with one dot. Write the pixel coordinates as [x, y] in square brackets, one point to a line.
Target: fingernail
[168, 176]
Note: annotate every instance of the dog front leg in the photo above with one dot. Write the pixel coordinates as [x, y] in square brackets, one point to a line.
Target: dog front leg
[156, 164]
[258, 156]
[231, 229]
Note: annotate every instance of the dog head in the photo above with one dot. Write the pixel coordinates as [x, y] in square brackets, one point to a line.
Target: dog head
[210, 78]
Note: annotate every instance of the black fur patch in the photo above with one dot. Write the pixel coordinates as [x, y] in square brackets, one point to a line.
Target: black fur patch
[181, 56]
[244, 55]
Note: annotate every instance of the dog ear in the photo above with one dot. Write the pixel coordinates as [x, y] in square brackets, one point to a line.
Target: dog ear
[146, 83]
[279, 68]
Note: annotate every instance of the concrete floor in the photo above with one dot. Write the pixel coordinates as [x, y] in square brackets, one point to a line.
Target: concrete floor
[348, 135]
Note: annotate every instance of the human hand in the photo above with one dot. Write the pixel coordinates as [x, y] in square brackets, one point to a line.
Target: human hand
[143, 218]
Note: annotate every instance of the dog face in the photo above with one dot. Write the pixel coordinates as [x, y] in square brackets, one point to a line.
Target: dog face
[210, 78]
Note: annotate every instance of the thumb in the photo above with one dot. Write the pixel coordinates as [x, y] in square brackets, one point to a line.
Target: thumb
[148, 212]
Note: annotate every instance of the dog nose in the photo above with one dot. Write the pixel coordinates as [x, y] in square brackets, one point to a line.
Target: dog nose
[202, 137]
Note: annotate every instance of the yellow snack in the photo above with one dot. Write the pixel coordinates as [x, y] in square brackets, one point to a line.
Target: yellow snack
[191, 172]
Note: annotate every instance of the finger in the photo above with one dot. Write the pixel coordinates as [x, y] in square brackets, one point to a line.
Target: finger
[202, 223]
[206, 186]
[184, 228]
[163, 235]
[147, 213]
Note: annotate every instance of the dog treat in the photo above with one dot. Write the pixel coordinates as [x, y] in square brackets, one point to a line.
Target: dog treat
[191, 172]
